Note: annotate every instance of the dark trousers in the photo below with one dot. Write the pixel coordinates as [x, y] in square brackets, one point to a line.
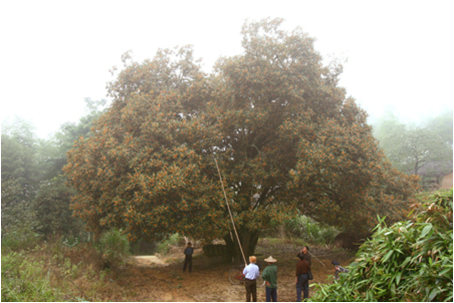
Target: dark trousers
[188, 260]
[302, 285]
[271, 294]
[251, 289]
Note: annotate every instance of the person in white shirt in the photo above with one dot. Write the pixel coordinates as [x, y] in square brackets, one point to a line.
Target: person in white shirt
[251, 272]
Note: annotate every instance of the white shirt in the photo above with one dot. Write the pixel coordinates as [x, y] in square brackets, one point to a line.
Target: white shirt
[251, 271]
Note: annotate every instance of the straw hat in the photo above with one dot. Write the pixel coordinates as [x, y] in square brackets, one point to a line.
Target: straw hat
[270, 260]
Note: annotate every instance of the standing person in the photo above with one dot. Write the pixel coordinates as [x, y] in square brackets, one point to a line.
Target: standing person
[269, 274]
[188, 259]
[305, 252]
[302, 278]
[251, 272]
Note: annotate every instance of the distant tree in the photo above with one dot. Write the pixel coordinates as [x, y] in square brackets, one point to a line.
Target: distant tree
[19, 163]
[11, 193]
[386, 125]
[413, 148]
[53, 152]
[410, 148]
[442, 125]
[52, 209]
[31, 166]
[284, 134]
[19, 220]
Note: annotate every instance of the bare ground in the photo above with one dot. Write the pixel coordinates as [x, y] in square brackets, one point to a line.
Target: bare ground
[152, 278]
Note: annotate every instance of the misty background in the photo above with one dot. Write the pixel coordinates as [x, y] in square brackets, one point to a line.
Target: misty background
[397, 55]
[55, 62]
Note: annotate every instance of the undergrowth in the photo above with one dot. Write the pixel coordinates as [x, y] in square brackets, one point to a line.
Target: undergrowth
[410, 261]
[61, 269]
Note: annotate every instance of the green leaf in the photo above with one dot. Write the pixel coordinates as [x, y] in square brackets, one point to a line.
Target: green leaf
[426, 230]
[434, 292]
[406, 261]
[387, 256]
[399, 274]
[398, 250]
[445, 271]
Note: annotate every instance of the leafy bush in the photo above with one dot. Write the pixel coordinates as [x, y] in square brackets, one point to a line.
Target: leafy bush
[51, 206]
[114, 247]
[19, 222]
[164, 246]
[19, 232]
[409, 261]
[310, 230]
[20, 238]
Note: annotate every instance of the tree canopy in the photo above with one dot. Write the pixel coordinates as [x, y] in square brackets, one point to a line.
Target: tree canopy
[284, 133]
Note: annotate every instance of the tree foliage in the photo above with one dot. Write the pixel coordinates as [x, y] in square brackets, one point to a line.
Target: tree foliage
[19, 156]
[19, 221]
[282, 130]
[52, 209]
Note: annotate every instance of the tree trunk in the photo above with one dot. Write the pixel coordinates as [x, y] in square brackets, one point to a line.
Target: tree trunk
[248, 240]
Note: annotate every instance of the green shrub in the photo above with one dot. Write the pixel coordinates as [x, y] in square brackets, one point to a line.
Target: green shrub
[19, 222]
[409, 261]
[114, 247]
[164, 246]
[19, 237]
[310, 230]
[52, 209]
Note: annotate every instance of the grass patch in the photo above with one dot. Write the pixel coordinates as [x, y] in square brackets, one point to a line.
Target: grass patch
[62, 270]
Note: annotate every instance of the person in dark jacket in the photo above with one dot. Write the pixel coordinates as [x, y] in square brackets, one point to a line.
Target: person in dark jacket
[188, 259]
[306, 255]
[302, 278]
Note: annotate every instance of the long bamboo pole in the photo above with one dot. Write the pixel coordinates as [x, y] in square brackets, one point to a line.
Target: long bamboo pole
[231, 217]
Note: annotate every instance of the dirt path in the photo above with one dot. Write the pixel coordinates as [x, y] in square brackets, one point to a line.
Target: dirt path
[162, 279]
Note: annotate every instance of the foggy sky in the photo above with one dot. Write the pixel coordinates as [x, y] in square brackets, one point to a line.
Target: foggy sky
[55, 53]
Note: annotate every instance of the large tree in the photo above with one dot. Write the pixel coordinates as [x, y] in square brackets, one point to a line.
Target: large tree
[282, 130]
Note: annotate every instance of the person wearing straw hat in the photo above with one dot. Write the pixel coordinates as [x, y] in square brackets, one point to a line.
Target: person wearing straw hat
[269, 274]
